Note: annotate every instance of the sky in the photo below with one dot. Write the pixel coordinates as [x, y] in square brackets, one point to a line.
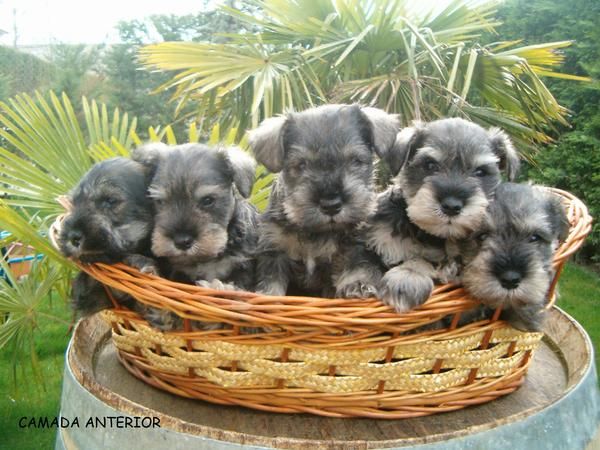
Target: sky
[43, 22]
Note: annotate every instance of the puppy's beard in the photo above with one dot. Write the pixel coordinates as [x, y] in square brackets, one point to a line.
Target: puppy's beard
[482, 284]
[209, 244]
[301, 210]
[130, 234]
[360, 202]
[425, 211]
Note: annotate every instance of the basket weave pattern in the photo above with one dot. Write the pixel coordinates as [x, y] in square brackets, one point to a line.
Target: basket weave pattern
[333, 357]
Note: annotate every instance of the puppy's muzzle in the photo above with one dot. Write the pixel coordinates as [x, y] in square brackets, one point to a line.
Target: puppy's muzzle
[75, 238]
[452, 194]
[510, 279]
[510, 269]
[452, 206]
[183, 241]
[331, 206]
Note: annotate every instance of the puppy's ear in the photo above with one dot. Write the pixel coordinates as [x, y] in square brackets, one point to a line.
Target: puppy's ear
[149, 155]
[384, 127]
[558, 217]
[244, 169]
[406, 144]
[266, 142]
[503, 147]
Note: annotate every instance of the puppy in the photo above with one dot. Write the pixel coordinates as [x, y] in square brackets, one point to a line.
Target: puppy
[203, 227]
[508, 261]
[110, 221]
[447, 171]
[309, 233]
[205, 230]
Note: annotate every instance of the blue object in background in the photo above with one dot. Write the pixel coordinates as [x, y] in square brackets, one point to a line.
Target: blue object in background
[14, 259]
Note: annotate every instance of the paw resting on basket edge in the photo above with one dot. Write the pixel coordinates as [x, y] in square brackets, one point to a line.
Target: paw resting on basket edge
[217, 285]
[142, 263]
[160, 318]
[274, 288]
[220, 286]
[164, 320]
[357, 289]
[358, 282]
[404, 289]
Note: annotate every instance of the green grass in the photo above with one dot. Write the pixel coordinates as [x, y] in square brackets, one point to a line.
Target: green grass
[28, 397]
[579, 290]
[580, 294]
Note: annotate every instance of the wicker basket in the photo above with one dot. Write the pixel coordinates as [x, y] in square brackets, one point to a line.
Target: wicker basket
[332, 357]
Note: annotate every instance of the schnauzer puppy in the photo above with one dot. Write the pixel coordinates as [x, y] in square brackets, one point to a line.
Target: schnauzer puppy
[110, 221]
[508, 262]
[447, 171]
[203, 227]
[309, 236]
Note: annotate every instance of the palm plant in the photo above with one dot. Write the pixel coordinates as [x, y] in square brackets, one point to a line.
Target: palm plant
[380, 52]
[44, 151]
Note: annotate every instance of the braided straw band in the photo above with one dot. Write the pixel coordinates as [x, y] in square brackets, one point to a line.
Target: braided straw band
[356, 370]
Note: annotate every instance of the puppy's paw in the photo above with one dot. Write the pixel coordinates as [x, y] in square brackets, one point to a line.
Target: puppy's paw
[449, 273]
[356, 289]
[253, 330]
[142, 263]
[217, 285]
[404, 289]
[358, 282]
[161, 319]
[206, 326]
[276, 289]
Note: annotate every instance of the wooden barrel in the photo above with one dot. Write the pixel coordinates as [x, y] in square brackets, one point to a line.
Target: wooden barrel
[556, 408]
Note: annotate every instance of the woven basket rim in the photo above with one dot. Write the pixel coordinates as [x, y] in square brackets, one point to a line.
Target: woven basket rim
[241, 307]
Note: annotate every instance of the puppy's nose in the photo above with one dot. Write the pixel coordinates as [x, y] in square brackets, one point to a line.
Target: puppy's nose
[452, 206]
[75, 237]
[331, 206]
[183, 241]
[510, 279]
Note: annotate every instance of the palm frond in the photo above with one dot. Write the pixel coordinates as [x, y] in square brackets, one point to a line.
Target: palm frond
[543, 58]
[20, 301]
[47, 150]
[30, 231]
[240, 82]
[116, 134]
[461, 21]
[380, 52]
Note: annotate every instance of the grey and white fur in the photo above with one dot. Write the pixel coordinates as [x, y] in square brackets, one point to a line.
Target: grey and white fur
[309, 234]
[447, 171]
[110, 221]
[508, 261]
[205, 230]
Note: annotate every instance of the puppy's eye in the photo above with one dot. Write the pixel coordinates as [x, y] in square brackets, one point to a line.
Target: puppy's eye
[297, 167]
[430, 165]
[482, 237]
[109, 202]
[358, 162]
[535, 238]
[480, 172]
[207, 201]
